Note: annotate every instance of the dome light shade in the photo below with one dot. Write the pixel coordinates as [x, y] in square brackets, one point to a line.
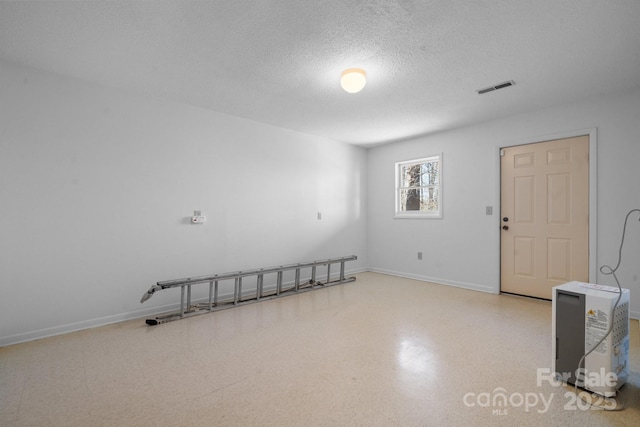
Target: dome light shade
[353, 80]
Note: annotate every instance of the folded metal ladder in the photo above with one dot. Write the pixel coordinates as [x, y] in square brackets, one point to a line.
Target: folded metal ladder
[214, 303]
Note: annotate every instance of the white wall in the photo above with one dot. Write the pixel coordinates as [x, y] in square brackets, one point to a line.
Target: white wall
[462, 249]
[96, 187]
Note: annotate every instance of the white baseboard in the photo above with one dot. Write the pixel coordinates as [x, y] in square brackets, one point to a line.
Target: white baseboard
[633, 314]
[85, 324]
[136, 314]
[436, 280]
[227, 296]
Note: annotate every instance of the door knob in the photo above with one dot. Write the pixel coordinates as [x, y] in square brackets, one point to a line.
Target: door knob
[505, 227]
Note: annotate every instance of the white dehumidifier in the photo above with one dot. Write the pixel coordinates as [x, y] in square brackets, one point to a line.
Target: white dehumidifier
[582, 316]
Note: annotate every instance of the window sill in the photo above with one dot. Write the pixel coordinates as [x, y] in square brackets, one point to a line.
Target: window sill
[417, 216]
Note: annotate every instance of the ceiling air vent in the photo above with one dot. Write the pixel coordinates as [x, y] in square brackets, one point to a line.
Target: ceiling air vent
[496, 87]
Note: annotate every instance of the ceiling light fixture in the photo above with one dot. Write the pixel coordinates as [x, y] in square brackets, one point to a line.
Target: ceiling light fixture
[353, 80]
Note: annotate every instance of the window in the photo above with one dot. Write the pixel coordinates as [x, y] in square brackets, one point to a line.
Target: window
[419, 188]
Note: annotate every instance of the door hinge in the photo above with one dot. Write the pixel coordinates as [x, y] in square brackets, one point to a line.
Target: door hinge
[502, 152]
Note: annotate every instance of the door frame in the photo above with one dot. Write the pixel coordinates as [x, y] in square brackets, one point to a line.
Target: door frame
[593, 191]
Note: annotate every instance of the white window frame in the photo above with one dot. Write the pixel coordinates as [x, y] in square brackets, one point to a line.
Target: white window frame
[418, 214]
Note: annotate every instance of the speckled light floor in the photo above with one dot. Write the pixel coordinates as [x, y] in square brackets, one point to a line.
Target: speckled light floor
[381, 351]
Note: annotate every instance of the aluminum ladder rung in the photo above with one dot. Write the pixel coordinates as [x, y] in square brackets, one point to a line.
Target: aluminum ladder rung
[214, 303]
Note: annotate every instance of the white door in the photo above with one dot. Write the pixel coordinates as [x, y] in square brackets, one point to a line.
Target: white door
[545, 216]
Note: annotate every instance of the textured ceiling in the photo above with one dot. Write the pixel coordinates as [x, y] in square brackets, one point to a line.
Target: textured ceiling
[279, 62]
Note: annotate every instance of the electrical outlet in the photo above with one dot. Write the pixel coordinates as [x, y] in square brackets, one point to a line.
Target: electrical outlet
[200, 219]
[419, 255]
